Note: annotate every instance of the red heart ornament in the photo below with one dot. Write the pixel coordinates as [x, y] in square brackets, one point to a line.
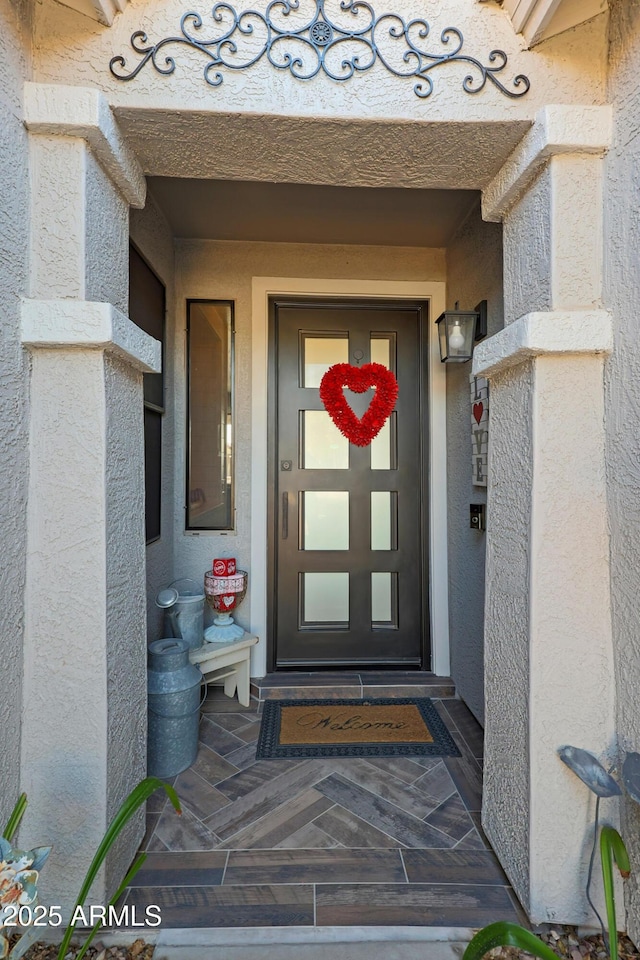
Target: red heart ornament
[359, 431]
[478, 410]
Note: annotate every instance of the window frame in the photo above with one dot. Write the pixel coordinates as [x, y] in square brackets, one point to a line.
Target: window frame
[193, 529]
[153, 408]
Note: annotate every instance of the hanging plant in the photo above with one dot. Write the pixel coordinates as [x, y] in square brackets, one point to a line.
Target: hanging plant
[359, 430]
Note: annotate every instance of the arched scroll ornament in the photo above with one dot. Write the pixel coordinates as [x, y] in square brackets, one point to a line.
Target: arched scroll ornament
[340, 43]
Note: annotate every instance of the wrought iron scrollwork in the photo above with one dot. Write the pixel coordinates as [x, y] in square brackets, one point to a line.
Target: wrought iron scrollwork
[306, 45]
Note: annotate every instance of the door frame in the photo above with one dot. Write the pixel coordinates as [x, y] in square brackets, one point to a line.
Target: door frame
[343, 305]
[264, 288]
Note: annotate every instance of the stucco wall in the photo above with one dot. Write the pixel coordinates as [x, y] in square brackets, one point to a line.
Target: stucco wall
[83, 749]
[528, 227]
[106, 279]
[555, 221]
[152, 236]
[474, 273]
[105, 239]
[71, 49]
[622, 397]
[507, 621]
[548, 652]
[58, 236]
[125, 627]
[223, 271]
[64, 770]
[14, 406]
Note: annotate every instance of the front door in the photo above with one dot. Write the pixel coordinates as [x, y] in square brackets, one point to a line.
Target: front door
[347, 522]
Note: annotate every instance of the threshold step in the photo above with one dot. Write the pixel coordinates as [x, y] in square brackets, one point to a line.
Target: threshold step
[331, 950]
[349, 684]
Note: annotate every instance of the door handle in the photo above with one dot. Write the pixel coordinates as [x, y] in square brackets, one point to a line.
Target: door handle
[285, 516]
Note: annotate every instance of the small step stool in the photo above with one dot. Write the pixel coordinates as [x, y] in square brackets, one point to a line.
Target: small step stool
[228, 661]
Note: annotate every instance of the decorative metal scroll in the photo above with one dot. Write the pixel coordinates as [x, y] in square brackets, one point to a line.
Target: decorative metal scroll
[305, 45]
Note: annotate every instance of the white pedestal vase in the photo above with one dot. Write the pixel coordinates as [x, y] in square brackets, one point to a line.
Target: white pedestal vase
[223, 595]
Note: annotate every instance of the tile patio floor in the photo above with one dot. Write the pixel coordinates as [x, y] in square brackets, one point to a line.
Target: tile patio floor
[339, 842]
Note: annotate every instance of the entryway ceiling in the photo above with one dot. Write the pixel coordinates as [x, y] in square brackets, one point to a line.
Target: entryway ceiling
[306, 213]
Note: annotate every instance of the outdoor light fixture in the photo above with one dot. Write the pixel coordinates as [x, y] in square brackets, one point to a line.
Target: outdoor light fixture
[458, 330]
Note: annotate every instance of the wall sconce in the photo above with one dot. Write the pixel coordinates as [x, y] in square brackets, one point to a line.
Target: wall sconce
[458, 330]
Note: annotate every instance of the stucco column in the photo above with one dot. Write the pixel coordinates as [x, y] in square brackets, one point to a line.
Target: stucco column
[83, 743]
[548, 645]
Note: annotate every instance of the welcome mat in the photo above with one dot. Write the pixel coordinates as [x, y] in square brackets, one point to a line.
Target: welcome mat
[383, 727]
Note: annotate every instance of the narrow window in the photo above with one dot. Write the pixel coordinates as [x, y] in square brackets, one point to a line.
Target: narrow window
[147, 311]
[210, 333]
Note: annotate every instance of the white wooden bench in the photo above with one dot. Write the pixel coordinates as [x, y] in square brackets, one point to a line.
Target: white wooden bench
[229, 662]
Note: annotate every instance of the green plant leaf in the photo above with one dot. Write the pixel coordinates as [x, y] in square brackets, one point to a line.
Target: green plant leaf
[17, 814]
[135, 799]
[612, 848]
[504, 934]
[114, 899]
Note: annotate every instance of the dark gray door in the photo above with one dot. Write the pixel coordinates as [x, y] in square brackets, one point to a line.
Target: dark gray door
[347, 521]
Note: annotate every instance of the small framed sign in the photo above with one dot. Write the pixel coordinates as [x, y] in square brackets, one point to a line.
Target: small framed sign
[479, 430]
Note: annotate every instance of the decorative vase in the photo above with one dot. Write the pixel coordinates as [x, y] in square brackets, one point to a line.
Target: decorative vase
[223, 595]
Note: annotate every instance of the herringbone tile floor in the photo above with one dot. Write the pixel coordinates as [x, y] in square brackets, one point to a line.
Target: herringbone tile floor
[327, 842]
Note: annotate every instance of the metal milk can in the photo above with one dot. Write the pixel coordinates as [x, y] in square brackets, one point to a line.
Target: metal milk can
[174, 708]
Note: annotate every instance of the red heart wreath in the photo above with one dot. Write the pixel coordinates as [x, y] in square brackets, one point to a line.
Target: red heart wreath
[359, 431]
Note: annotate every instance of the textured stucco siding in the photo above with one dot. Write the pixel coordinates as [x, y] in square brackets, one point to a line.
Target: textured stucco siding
[84, 746]
[126, 639]
[528, 227]
[57, 217]
[14, 366]
[152, 236]
[622, 398]
[207, 269]
[507, 668]
[555, 222]
[576, 205]
[71, 49]
[105, 242]
[64, 770]
[571, 670]
[548, 652]
[474, 273]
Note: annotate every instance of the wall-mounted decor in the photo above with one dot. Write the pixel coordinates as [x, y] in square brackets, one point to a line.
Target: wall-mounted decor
[359, 431]
[347, 40]
[479, 430]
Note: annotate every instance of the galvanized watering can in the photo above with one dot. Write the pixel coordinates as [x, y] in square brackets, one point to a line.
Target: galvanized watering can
[183, 604]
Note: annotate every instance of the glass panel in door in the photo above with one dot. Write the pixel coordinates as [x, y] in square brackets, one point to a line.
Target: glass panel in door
[325, 520]
[319, 353]
[322, 445]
